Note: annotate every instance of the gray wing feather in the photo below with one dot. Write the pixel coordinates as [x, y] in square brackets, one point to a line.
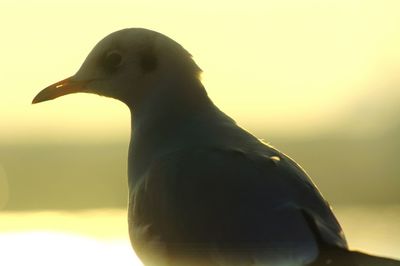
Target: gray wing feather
[234, 206]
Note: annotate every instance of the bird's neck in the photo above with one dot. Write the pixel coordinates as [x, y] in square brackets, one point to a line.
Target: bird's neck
[160, 118]
[167, 106]
[169, 102]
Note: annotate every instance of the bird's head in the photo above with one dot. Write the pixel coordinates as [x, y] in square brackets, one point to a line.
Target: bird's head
[126, 65]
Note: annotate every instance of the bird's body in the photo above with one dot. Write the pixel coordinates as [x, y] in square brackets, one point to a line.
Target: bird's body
[202, 190]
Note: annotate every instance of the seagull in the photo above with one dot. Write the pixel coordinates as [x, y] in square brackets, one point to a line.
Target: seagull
[202, 190]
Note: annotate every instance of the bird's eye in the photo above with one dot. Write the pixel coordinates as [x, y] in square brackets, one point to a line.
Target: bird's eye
[112, 60]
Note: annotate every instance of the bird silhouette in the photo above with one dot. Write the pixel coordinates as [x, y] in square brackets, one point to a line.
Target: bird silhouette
[202, 190]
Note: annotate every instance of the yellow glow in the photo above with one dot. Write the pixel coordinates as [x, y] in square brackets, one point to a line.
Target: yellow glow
[47, 248]
[298, 64]
[79, 238]
[99, 237]
[284, 67]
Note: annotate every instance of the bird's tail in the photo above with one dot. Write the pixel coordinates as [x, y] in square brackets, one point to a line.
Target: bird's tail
[334, 256]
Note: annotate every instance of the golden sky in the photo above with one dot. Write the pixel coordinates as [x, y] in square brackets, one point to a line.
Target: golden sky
[274, 66]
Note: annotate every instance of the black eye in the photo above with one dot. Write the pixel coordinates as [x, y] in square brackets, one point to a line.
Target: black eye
[112, 60]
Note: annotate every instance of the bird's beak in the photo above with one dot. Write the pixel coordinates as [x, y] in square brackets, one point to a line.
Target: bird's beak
[63, 87]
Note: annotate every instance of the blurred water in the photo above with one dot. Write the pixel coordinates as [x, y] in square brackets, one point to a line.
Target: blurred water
[100, 237]
[94, 237]
[372, 229]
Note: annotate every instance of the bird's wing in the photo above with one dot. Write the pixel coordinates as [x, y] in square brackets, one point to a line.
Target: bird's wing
[221, 201]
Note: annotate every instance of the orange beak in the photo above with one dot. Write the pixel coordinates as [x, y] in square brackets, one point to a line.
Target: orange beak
[60, 88]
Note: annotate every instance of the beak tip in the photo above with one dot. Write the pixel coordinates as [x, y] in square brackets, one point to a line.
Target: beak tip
[38, 98]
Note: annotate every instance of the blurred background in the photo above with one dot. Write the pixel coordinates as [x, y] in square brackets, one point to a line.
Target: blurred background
[319, 80]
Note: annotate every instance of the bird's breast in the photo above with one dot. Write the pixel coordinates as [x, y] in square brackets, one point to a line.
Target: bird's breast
[146, 243]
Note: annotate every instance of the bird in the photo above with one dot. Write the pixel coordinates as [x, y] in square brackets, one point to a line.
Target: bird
[203, 190]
